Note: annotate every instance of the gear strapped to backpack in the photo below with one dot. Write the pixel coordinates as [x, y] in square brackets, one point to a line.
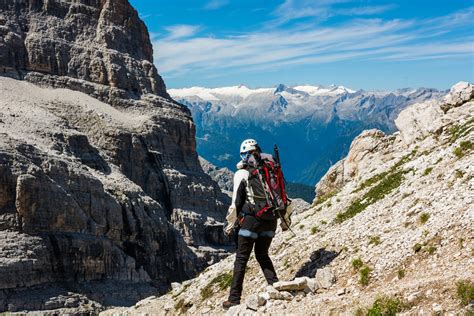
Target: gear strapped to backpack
[266, 190]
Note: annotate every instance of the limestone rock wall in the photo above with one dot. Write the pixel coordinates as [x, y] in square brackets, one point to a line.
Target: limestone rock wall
[99, 177]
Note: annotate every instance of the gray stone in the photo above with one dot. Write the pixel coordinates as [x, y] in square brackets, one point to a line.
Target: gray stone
[312, 285]
[274, 294]
[236, 310]
[254, 301]
[297, 284]
[459, 94]
[325, 278]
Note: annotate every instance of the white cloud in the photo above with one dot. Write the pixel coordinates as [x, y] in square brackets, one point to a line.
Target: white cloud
[180, 31]
[324, 9]
[215, 4]
[361, 39]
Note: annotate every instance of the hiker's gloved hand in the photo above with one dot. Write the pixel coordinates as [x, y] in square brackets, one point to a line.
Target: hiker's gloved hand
[231, 220]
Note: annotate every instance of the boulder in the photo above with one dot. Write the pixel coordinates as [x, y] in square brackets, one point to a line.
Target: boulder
[459, 94]
[419, 121]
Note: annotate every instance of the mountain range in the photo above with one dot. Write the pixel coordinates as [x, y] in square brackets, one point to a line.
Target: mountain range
[313, 125]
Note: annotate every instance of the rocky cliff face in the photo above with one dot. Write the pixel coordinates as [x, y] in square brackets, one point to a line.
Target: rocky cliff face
[64, 43]
[223, 176]
[100, 183]
[389, 232]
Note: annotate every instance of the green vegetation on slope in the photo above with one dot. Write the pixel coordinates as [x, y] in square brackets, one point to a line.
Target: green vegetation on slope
[378, 192]
[382, 184]
[463, 149]
[222, 281]
[458, 131]
[323, 198]
[384, 306]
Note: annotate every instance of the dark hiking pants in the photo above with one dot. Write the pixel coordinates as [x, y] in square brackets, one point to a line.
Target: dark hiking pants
[261, 241]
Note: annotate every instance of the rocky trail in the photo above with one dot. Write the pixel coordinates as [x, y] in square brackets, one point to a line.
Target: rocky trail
[391, 231]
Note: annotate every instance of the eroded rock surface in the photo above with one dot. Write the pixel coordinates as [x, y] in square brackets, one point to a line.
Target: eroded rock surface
[100, 183]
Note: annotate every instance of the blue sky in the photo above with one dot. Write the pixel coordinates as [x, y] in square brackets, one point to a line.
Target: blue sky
[365, 44]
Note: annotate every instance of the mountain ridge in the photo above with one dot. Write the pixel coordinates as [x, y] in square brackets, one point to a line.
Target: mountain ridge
[323, 124]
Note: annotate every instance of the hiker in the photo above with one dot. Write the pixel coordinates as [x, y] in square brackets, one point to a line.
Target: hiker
[258, 196]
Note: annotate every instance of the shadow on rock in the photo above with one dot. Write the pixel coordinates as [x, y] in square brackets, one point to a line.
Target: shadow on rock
[317, 260]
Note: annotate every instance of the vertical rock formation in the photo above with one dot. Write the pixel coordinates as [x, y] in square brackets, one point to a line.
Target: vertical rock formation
[99, 177]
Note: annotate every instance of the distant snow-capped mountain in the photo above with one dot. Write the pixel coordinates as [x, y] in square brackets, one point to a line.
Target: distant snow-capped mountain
[313, 125]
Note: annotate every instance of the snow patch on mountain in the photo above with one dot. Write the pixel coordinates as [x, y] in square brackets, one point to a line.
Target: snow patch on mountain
[243, 92]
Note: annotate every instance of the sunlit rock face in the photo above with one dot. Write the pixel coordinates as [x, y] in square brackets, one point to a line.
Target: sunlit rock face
[100, 182]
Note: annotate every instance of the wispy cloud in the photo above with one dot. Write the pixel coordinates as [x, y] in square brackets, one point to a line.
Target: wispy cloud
[180, 53]
[215, 4]
[324, 9]
[180, 31]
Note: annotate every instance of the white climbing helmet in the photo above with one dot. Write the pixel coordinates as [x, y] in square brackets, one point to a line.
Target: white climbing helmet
[248, 145]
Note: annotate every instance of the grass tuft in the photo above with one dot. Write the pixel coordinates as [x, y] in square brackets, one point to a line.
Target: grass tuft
[417, 247]
[374, 240]
[463, 149]
[431, 249]
[323, 198]
[458, 131]
[364, 275]
[459, 173]
[314, 230]
[427, 171]
[222, 281]
[465, 292]
[401, 274]
[424, 217]
[386, 306]
[357, 264]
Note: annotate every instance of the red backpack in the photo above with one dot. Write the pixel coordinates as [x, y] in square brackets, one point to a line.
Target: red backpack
[266, 189]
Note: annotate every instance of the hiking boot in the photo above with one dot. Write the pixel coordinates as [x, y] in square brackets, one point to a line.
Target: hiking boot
[228, 304]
